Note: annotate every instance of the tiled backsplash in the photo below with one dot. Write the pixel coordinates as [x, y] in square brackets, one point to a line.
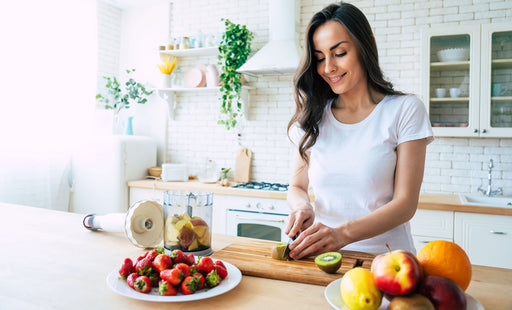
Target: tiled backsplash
[453, 164]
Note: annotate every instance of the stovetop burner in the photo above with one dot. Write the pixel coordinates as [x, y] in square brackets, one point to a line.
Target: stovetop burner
[265, 186]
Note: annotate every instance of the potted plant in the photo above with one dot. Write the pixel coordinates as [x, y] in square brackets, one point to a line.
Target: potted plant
[234, 49]
[118, 98]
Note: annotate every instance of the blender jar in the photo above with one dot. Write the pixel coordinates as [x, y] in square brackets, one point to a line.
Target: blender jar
[188, 221]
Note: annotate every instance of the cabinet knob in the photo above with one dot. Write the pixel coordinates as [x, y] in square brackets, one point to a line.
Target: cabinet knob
[475, 130]
[484, 130]
[498, 232]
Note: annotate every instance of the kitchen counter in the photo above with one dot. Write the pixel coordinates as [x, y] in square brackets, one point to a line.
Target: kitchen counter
[49, 261]
[441, 202]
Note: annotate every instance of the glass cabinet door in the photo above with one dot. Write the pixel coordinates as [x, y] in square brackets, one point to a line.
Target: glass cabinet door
[452, 81]
[496, 98]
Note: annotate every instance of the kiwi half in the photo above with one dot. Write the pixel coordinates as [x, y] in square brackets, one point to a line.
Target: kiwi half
[278, 251]
[329, 262]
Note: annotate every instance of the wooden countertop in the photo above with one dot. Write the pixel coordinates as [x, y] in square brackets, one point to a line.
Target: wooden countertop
[49, 261]
[427, 201]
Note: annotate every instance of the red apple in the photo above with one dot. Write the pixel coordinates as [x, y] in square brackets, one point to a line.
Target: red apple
[397, 273]
[443, 293]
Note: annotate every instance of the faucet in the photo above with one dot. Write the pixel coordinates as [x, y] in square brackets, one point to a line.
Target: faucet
[489, 192]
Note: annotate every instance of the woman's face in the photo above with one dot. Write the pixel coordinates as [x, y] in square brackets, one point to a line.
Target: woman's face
[337, 58]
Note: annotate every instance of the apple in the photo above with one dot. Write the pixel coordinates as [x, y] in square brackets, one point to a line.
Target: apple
[443, 293]
[397, 272]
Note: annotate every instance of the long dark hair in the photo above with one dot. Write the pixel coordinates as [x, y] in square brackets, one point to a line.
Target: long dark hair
[311, 92]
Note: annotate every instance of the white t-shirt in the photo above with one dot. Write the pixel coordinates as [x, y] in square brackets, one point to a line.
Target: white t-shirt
[352, 166]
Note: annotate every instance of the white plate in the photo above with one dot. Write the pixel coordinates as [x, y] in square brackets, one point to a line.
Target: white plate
[120, 286]
[333, 295]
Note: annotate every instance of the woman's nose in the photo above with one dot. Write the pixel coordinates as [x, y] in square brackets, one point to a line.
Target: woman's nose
[330, 65]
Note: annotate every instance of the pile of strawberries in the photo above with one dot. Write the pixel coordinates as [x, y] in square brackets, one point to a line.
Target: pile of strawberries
[173, 273]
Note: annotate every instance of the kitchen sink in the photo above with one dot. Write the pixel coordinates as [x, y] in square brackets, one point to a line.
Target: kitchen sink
[476, 200]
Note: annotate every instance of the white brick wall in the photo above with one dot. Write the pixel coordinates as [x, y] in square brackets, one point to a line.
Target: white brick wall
[453, 164]
[109, 40]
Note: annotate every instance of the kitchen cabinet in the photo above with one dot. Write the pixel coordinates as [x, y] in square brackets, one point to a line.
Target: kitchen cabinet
[170, 94]
[473, 64]
[486, 238]
[430, 225]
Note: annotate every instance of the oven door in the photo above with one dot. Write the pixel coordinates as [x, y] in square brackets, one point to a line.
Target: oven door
[259, 225]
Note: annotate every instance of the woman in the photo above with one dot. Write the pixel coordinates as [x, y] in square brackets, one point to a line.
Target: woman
[360, 143]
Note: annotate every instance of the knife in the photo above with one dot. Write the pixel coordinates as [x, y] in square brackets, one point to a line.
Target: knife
[286, 251]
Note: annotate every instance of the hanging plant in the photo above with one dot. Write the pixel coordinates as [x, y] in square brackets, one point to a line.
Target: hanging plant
[234, 49]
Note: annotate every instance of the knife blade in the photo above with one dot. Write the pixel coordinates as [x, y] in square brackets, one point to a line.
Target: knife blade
[286, 251]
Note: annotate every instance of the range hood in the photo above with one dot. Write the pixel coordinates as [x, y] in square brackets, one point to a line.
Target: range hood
[281, 55]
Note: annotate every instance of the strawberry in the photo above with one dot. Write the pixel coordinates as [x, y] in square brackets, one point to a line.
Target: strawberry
[173, 276]
[184, 268]
[212, 279]
[199, 278]
[131, 278]
[151, 254]
[142, 284]
[144, 266]
[221, 271]
[205, 265]
[162, 262]
[154, 276]
[191, 260]
[193, 269]
[219, 262]
[126, 268]
[178, 256]
[166, 289]
[188, 286]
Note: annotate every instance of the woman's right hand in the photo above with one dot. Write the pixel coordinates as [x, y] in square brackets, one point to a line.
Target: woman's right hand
[299, 220]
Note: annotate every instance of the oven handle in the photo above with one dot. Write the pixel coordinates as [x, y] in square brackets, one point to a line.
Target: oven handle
[255, 219]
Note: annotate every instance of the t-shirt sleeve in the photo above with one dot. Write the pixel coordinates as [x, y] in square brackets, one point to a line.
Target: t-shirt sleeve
[414, 123]
[295, 133]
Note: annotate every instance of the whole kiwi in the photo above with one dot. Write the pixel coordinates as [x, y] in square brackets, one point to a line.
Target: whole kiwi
[416, 302]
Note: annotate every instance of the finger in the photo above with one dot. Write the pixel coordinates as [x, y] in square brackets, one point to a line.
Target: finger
[307, 239]
[289, 225]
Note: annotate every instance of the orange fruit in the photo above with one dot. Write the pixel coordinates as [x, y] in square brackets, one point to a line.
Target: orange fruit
[446, 259]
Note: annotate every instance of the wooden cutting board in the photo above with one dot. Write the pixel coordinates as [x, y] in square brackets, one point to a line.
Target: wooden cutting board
[252, 257]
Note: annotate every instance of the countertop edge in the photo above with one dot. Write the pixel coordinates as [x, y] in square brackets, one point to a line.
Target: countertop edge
[427, 201]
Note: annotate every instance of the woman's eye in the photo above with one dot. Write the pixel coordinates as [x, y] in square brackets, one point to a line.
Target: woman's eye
[320, 59]
[341, 54]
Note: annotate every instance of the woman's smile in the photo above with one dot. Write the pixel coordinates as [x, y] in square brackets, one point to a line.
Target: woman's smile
[336, 79]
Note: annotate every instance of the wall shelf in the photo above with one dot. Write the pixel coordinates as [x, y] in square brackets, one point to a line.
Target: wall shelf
[449, 99]
[192, 52]
[169, 95]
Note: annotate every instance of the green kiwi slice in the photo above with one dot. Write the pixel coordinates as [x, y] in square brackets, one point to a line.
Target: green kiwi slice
[329, 262]
[278, 251]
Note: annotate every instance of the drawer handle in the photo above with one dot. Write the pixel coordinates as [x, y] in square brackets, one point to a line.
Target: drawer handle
[258, 219]
[498, 232]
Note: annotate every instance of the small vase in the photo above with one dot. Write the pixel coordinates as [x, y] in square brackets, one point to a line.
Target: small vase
[129, 126]
[166, 81]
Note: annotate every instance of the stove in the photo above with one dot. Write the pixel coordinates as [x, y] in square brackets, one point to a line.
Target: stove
[264, 186]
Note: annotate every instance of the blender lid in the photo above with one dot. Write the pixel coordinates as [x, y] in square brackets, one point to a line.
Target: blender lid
[144, 224]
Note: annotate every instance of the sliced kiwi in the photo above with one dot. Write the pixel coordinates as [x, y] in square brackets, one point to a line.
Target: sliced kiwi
[329, 262]
[278, 251]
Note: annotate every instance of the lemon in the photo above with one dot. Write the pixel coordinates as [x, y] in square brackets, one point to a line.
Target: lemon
[358, 290]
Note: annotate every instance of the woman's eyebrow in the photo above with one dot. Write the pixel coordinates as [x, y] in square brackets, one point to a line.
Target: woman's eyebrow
[332, 47]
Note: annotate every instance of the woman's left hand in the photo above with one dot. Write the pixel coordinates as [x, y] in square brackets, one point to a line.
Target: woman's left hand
[315, 240]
